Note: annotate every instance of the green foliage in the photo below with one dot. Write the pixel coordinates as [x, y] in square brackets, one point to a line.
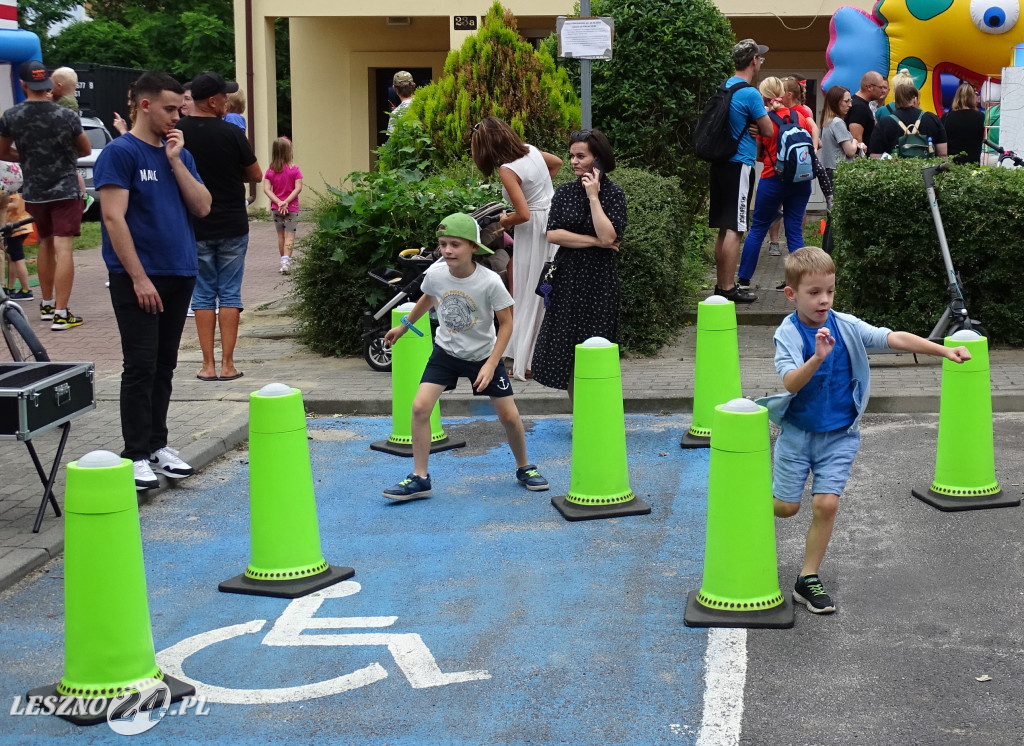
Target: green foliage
[496, 72]
[38, 16]
[888, 262]
[658, 267]
[181, 37]
[670, 55]
[100, 42]
[409, 147]
[365, 227]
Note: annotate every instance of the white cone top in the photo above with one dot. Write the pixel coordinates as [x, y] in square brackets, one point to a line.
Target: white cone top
[716, 300]
[99, 460]
[597, 342]
[966, 335]
[407, 307]
[741, 406]
[275, 389]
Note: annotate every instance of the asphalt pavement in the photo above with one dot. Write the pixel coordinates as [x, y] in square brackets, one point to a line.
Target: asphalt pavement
[927, 599]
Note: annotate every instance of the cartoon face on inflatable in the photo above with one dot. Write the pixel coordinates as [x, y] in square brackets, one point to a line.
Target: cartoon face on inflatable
[969, 39]
[10, 177]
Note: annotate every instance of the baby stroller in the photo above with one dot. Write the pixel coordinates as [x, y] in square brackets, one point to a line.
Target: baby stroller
[406, 280]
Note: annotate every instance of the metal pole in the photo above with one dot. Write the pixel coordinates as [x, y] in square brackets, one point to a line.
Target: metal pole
[585, 114]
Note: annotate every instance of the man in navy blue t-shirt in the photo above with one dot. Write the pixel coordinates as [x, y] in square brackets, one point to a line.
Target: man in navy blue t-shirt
[148, 186]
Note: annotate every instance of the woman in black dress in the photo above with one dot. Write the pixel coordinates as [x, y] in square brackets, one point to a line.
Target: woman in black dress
[586, 222]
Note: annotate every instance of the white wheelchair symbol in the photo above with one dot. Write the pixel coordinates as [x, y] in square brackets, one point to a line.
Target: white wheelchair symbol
[410, 653]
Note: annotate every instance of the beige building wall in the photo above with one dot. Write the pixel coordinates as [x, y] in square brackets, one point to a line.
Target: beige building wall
[337, 44]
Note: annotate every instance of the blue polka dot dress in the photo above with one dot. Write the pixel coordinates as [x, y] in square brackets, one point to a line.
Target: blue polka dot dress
[585, 292]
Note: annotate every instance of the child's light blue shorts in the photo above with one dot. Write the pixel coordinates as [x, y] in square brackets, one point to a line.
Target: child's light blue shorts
[829, 456]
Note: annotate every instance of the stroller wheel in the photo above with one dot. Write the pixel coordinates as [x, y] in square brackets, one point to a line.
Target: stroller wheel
[377, 354]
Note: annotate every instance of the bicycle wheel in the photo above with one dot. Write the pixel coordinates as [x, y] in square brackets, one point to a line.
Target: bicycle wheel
[21, 340]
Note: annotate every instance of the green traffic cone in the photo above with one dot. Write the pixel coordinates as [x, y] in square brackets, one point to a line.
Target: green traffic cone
[599, 481]
[108, 641]
[409, 357]
[965, 465]
[741, 576]
[284, 535]
[716, 369]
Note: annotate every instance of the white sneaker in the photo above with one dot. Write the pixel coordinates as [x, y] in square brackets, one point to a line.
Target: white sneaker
[190, 313]
[165, 461]
[145, 479]
[286, 265]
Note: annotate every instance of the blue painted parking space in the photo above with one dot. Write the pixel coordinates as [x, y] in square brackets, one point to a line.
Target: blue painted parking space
[479, 615]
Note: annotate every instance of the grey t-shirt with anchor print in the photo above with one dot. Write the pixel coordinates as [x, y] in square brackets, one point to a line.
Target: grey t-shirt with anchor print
[465, 310]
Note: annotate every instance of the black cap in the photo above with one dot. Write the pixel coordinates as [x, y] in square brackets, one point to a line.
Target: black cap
[208, 83]
[33, 74]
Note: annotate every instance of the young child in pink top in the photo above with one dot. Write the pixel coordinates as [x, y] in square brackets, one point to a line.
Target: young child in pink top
[282, 184]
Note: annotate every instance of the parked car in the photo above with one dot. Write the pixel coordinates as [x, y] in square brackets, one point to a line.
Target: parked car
[98, 136]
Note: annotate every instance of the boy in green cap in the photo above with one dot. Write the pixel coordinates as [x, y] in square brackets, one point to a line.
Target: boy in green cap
[467, 297]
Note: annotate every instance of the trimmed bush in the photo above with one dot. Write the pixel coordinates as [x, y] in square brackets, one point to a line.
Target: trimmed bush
[495, 72]
[362, 228]
[888, 262]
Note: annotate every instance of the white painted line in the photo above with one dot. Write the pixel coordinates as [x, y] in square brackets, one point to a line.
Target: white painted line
[726, 665]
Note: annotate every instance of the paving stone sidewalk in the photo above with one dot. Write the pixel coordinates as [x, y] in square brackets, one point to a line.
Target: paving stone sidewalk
[208, 419]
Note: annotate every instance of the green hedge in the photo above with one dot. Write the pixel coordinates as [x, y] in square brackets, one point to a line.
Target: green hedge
[362, 228]
[383, 213]
[888, 263]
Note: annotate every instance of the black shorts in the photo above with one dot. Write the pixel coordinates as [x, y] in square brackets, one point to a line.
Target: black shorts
[446, 370]
[15, 248]
[732, 189]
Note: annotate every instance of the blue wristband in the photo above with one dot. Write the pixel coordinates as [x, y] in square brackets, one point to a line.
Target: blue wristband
[409, 325]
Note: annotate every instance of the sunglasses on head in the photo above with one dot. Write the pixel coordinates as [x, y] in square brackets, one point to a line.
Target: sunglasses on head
[577, 135]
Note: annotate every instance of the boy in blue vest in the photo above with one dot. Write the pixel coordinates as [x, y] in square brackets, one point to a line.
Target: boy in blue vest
[467, 297]
[822, 359]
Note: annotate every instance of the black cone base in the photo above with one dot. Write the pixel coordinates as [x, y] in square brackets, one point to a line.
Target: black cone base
[694, 441]
[179, 690]
[576, 512]
[950, 503]
[699, 615]
[286, 588]
[402, 449]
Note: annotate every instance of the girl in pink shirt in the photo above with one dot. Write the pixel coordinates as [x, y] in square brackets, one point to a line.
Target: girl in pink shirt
[282, 184]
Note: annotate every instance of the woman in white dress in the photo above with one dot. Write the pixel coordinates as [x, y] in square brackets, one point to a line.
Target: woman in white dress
[526, 174]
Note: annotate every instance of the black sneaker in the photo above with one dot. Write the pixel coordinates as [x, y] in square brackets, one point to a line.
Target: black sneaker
[20, 295]
[810, 592]
[743, 283]
[736, 295]
[413, 487]
[45, 312]
[529, 477]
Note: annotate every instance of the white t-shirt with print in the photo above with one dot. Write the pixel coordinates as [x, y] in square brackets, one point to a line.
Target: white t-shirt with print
[465, 309]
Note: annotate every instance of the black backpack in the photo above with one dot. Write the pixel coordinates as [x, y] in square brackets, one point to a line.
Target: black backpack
[712, 138]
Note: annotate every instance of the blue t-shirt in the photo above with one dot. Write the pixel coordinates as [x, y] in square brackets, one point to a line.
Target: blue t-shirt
[825, 403]
[747, 107]
[157, 217]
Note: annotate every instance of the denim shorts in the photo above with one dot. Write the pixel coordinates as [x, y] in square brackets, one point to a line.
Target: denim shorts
[829, 456]
[221, 262]
[446, 370]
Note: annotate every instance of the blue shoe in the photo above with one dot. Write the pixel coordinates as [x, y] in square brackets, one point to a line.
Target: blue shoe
[413, 487]
[529, 477]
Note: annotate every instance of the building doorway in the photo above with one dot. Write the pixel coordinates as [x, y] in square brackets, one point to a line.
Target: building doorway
[385, 99]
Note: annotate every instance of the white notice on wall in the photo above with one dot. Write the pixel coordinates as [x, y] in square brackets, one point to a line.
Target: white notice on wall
[585, 38]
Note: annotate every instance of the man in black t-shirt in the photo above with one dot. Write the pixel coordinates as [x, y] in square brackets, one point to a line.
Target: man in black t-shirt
[888, 131]
[860, 119]
[226, 163]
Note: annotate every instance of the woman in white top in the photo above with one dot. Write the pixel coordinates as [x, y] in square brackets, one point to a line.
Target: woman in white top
[837, 144]
[526, 175]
